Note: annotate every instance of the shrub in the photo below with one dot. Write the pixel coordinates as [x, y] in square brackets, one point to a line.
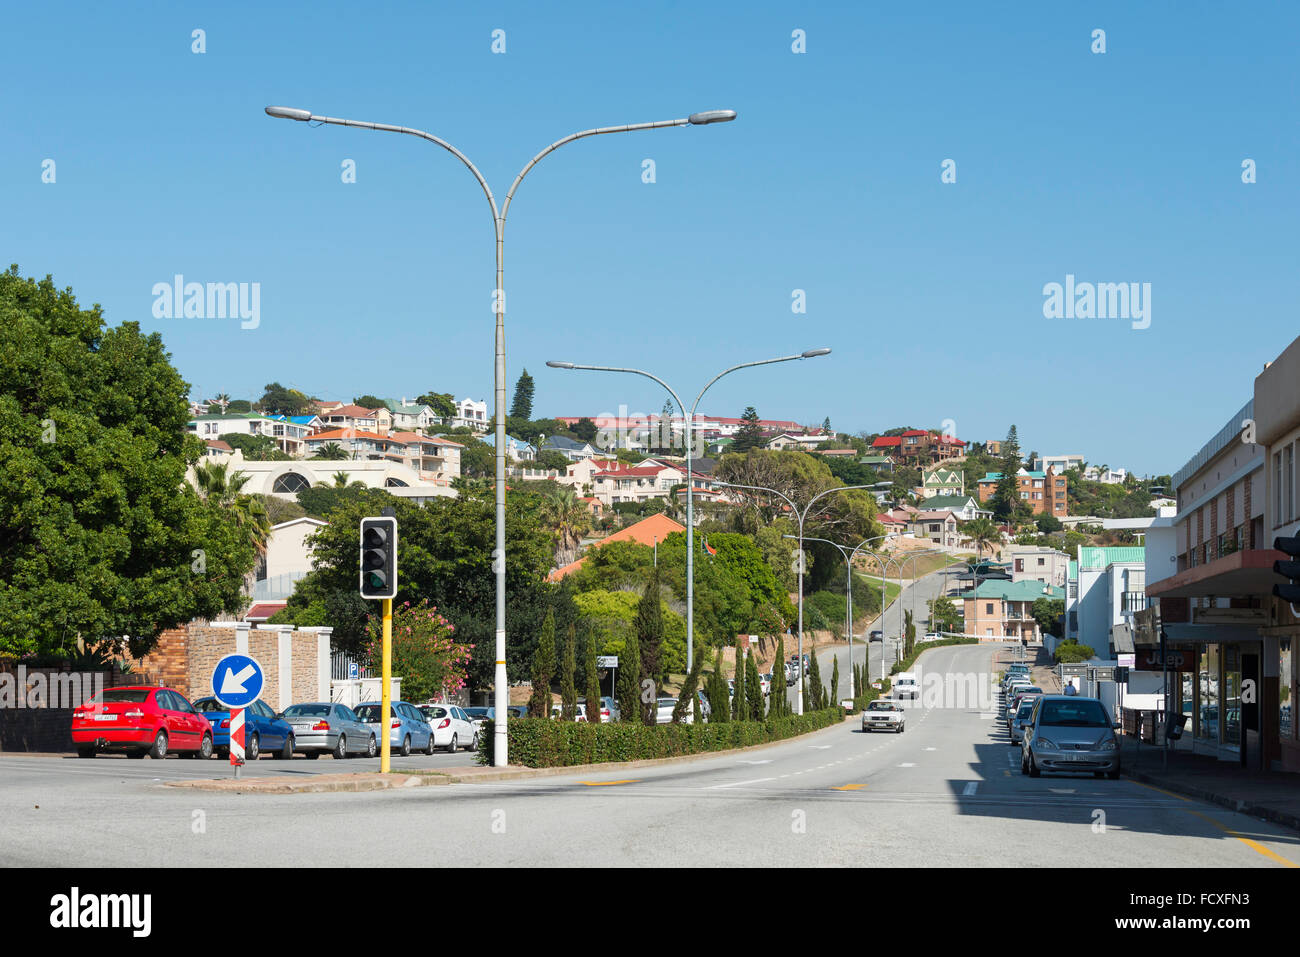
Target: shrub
[543, 743]
[1069, 652]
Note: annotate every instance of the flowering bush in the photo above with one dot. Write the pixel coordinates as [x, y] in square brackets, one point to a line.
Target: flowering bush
[425, 654]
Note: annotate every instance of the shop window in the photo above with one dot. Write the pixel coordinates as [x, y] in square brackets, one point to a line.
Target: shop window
[1286, 687]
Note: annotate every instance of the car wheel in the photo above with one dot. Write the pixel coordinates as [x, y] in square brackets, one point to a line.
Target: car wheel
[1034, 770]
[159, 749]
[428, 748]
[286, 752]
[372, 748]
[341, 748]
[86, 752]
[1024, 765]
[472, 747]
[452, 745]
[205, 748]
[406, 747]
[254, 749]
[1113, 775]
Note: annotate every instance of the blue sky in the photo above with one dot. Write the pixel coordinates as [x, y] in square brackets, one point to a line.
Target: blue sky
[1115, 167]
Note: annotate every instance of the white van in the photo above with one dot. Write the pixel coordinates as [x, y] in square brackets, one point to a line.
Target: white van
[906, 686]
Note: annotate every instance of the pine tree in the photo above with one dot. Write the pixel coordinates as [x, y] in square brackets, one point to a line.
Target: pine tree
[568, 687]
[629, 682]
[593, 682]
[815, 688]
[522, 406]
[753, 688]
[739, 707]
[835, 680]
[1007, 493]
[649, 627]
[539, 705]
[750, 435]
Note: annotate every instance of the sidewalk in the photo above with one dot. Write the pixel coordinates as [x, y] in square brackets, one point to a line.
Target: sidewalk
[1270, 795]
[1042, 670]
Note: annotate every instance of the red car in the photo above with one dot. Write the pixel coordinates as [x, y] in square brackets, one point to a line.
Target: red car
[140, 721]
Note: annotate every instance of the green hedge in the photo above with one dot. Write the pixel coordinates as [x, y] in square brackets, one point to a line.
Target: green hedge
[906, 663]
[545, 743]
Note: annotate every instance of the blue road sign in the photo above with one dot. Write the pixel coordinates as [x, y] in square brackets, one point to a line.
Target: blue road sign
[237, 681]
[353, 671]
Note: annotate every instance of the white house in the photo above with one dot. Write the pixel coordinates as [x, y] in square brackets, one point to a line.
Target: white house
[471, 414]
[410, 416]
[1037, 563]
[289, 436]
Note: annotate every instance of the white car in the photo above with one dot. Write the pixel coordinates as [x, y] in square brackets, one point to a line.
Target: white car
[932, 636]
[664, 712]
[905, 686]
[452, 727]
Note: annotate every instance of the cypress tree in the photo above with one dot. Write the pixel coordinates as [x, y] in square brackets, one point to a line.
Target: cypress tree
[593, 682]
[778, 706]
[716, 689]
[539, 705]
[629, 682]
[835, 680]
[815, 688]
[753, 688]
[522, 406]
[686, 700]
[568, 686]
[649, 627]
[738, 699]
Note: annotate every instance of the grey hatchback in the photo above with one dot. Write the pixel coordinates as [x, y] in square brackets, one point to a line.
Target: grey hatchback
[1070, 734]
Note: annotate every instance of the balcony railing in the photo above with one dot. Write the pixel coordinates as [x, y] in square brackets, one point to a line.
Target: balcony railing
[1133, 601]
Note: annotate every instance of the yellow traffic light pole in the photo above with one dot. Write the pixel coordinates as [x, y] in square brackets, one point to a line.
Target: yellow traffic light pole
[386, 704]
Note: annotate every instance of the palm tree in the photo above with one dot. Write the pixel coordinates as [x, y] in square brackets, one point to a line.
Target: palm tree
[343, 480]
[568, 517]
[332, 452]
[222, 399]
[983, 533]
[216, 484]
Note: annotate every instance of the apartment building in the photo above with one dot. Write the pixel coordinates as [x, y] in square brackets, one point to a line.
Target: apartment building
[1003, 609]
[1037, 563]
[1046, 492]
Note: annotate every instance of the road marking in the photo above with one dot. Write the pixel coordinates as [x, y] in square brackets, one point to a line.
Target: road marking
[907, 765]
[928, 749]
[1062, 790]
[849, 787]
[606, 784]
[819, 747]
[764, 761]
[970, 788]
[736, 784]
[1253, 845]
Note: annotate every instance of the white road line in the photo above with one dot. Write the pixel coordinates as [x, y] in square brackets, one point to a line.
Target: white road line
[737, 784]
[907, 764]
[970, 788]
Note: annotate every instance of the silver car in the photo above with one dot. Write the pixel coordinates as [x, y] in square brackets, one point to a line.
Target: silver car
[408, 729]
[1016, 726]
[322, 727]
[1071, 734]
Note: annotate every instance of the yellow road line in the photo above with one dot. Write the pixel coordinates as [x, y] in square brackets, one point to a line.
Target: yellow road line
[1253, 845]
[849, 787]
[605, 784]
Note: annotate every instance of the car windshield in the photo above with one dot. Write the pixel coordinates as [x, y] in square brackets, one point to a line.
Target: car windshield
[434, 712]
[881, 706]
[667, 702]
[369, 713]
[209, 705]
[476, 712]
[1026, 709]
[1024, 691]
[307, 711]
[1073, 714]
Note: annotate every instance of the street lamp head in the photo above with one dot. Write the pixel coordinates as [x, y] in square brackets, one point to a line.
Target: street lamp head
[711, 116]
[555, 364]
[813, 353]
[289, 113]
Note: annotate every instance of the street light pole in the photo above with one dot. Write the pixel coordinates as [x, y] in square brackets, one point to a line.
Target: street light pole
[800, 516]
[688, 439]
[502, 690]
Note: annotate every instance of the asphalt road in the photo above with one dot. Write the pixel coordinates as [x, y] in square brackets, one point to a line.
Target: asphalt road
[946, 792]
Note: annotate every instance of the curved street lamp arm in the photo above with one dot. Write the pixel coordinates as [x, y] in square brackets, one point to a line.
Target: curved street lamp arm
[436, 140]
[640, 372]
[763, 488]
[743, 365]
[628, 128]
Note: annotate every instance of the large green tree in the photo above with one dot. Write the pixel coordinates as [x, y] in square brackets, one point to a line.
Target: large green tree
[100, 534]
[522, 406]
[750, 434]
[539, 704]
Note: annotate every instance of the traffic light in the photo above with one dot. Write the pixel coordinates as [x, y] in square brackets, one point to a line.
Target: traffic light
[379, 557]
[1289, 570]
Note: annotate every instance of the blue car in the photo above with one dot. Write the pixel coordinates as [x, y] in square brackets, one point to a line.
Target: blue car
[263, 730]
[408, 731]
